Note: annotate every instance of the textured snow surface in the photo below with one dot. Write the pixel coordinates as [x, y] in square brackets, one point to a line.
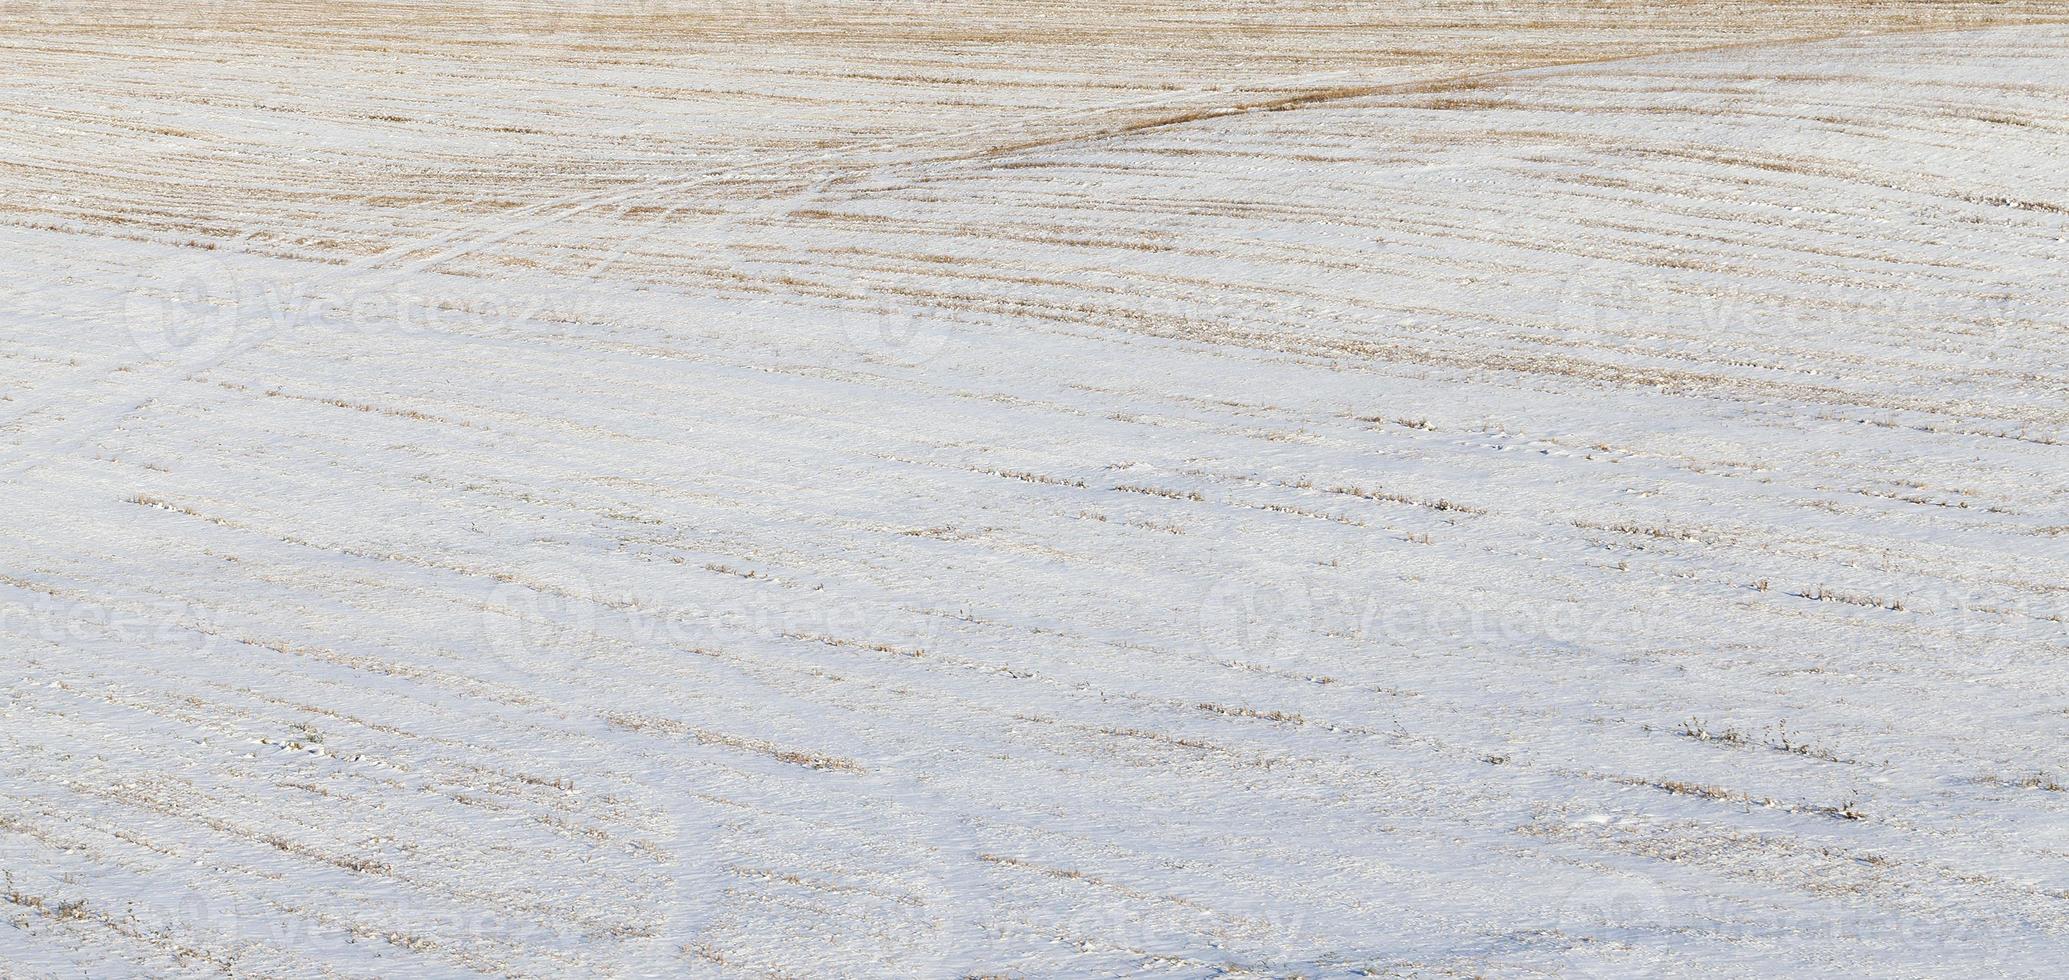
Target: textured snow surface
[1506, 489]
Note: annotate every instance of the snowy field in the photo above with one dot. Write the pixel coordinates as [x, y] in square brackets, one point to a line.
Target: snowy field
[690, 488]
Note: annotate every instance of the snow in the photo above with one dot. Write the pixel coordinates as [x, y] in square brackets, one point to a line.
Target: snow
[1584, 515]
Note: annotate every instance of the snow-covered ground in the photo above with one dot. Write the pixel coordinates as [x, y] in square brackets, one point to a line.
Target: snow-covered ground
[1171, 489]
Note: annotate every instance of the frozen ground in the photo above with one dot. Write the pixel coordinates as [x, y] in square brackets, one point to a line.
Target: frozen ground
[1505, 489]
